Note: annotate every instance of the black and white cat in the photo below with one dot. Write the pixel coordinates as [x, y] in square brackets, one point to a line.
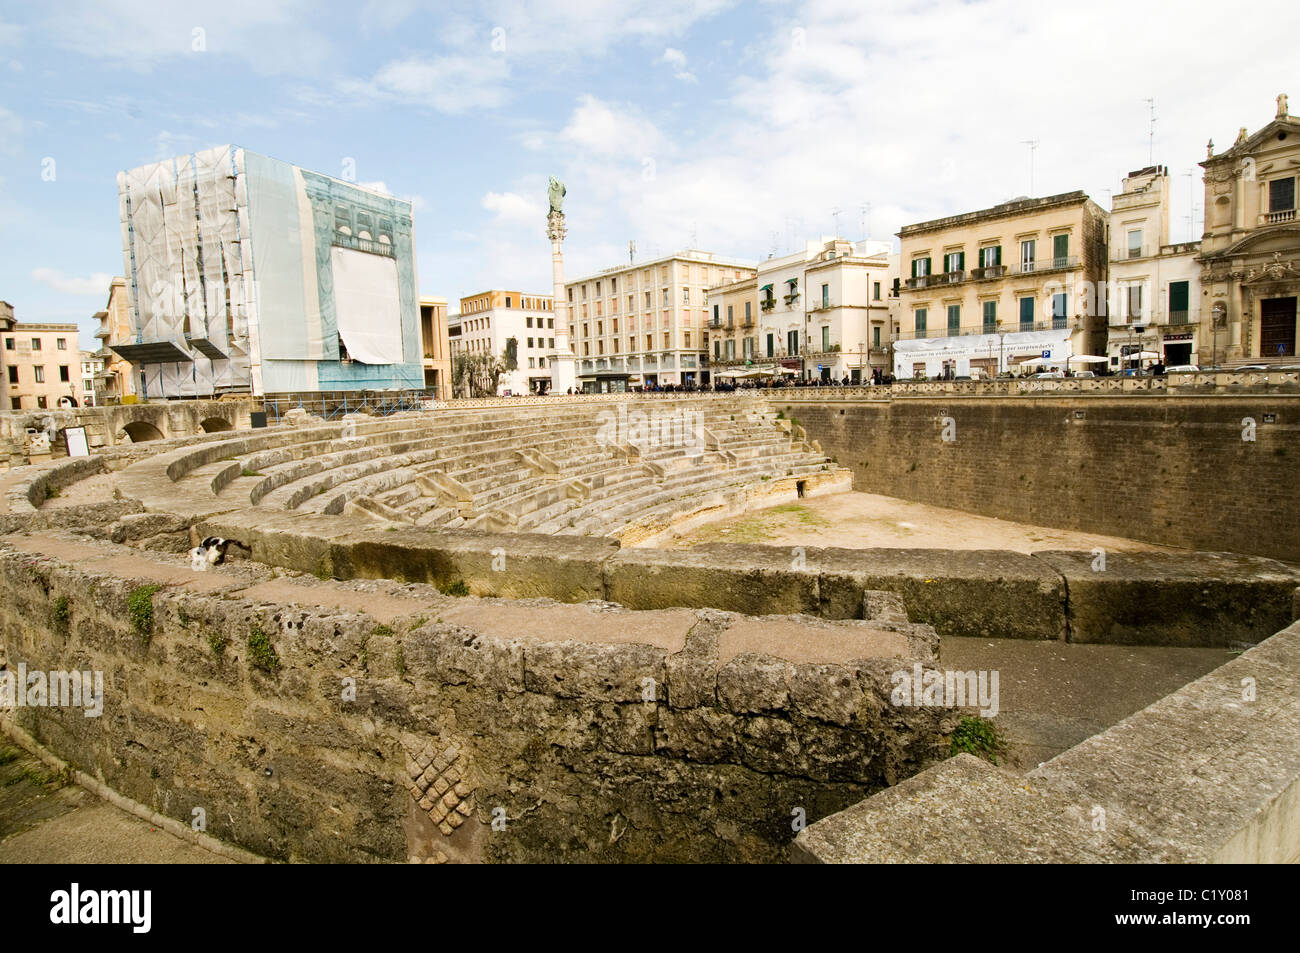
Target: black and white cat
[212, 552]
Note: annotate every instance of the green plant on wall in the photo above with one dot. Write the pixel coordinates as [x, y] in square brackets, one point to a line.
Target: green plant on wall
[59, 612]
[980, 737]
[139, 605]
[261, 652]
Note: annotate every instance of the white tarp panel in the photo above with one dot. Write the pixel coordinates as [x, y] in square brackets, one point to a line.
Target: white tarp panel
[368, 306]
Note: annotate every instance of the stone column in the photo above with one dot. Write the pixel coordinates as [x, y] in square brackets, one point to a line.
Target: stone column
[562, 362]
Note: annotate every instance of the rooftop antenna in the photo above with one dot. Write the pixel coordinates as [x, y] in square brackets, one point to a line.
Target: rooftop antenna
[631, 252]
[693, 232]
[1033, 147]
[866, 220]
[1151, 133]
[835, 214]
[772, 253]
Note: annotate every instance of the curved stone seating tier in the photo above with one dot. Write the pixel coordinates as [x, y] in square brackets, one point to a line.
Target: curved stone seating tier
[576, 468]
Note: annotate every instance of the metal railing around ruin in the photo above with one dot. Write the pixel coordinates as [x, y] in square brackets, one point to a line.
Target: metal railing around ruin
[376, 404]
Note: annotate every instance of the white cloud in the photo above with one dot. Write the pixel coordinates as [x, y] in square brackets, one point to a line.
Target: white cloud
[271, 36]
[94, 286]
[605, 129]
[676, 61]
[909, 108]
[512, 208]
[450, 84]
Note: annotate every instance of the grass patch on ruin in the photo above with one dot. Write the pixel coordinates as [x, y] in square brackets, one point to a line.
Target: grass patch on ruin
[802, 514]
[248, 472]
[382, 630]
[139, 606]
[59, 613]
[980, 737]
[399, 660]
[217, 641]
[457, 588]
[261, 652]
[8, 755]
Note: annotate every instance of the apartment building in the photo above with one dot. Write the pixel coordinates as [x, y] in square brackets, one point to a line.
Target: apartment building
[487, 323]
[39, 363]
[92, 365]
[1250, 250]
[435, 347]
[645, 324]
[117, 379]
[1154, 290]
[822, 312]
[987, 290]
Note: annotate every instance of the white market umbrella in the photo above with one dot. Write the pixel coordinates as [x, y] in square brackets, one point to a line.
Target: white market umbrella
[1087, 359]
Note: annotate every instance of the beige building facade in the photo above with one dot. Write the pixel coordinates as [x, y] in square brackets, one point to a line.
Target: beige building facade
[821, 313]
[1250, 251]
[489, 319]
[435, 347]
[1154, 289]
[40, 364]
[985, 291]
[119, 380]
[645, 324]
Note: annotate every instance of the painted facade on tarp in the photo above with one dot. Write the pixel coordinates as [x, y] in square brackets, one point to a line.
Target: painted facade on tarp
[245, 273]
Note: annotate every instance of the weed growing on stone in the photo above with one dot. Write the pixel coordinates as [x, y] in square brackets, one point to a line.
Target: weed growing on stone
[53, 492]
[261, 652]
[217, 641]
[980, 737]
[139, 605]
[248, 472]
[419, 622]
[399, 661]
[183, 617]
[59, 612]
[457, 588]
[381, 630]
[8, 755]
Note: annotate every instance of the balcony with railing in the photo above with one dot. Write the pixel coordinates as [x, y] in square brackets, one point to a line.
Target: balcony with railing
[988, 272]
[1279, 217]
[1041, 265]
[943, 331]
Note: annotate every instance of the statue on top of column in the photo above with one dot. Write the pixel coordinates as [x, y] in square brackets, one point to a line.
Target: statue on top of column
[556, 193]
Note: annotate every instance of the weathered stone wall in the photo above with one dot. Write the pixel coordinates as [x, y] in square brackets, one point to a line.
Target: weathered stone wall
[589, 746]
[1207, 774]
[1166, 469]
[1141, 598]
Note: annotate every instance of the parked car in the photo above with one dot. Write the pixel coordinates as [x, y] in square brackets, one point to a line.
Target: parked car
[1182, 369]
[1049, 375]
[1085, 373]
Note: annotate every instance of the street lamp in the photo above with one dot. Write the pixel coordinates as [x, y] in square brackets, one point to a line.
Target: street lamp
[1002, 335]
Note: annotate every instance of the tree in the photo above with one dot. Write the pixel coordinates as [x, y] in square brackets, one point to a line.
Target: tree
[476, 375]
[510, 356]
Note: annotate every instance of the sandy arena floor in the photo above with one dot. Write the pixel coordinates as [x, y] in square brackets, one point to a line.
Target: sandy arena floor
[867, 521]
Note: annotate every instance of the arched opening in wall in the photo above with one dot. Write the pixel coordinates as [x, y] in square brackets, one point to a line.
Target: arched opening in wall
[140, 431]
[216, 425]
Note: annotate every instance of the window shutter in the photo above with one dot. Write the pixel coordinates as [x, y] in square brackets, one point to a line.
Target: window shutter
[914, 261]
[961, 261]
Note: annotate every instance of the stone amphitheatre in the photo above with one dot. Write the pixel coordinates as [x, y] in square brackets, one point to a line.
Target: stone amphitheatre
[479, 632]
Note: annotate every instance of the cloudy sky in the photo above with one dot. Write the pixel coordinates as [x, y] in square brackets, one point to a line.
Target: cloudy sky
[741, 128]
